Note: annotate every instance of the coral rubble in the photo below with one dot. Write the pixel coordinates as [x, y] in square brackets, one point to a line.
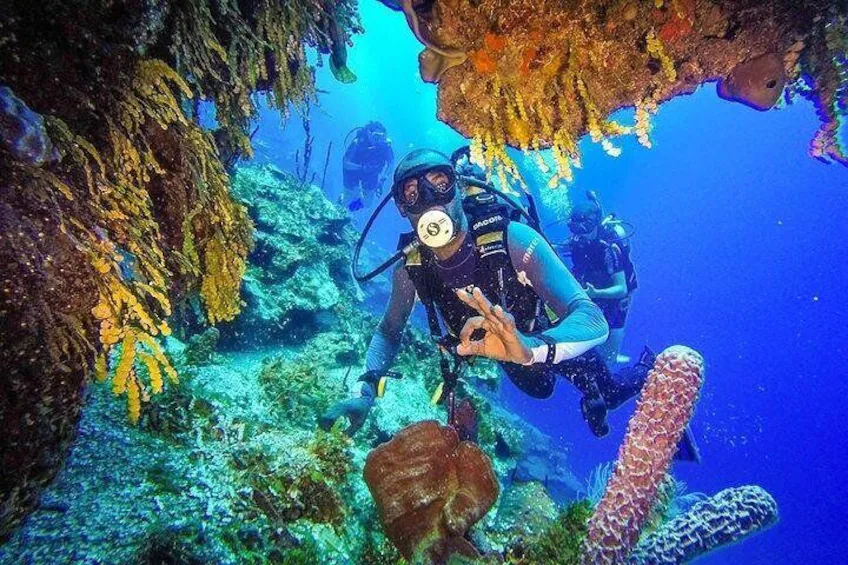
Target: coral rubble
[129, 213]
[543, 73]
[665, 406]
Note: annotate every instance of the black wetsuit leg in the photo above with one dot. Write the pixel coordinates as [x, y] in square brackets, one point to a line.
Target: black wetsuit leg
[587, 373]
[584, 372]
[601, 389]
[620, 387]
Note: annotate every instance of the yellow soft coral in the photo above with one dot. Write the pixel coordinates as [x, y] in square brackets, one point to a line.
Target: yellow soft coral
[221, 282]
[153, 371]
[644, 109]
[658, 52]
[142, 146]
[125, 365]
[133, 399]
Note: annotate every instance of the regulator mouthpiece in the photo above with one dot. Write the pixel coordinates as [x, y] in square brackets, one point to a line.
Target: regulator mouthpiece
[435, 228]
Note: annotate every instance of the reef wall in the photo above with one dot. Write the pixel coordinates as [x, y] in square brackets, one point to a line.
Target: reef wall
[537, 74]
[114, 202]
[299, 279]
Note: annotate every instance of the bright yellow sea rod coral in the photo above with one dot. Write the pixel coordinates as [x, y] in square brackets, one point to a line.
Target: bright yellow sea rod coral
[132, 308]
[123, 318]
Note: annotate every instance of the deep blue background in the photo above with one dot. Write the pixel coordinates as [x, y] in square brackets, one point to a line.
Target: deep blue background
[742, 253]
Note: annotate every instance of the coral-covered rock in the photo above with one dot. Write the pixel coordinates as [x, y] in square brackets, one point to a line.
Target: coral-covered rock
[139, 178]
[300, 269]
[525, 510]
[430, 488]
[664, 408]
[543, 73]
[720, 520]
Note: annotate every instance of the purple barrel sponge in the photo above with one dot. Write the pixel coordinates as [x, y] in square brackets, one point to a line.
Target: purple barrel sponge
[22, 131]
[725, 518]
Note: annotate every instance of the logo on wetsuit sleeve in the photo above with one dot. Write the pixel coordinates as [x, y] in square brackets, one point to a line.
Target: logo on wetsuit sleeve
[530, 250]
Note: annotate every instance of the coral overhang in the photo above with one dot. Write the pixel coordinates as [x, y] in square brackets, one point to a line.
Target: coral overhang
[131, 214]
[542, 73]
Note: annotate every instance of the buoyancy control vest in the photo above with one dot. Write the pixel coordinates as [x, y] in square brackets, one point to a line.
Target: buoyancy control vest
[589, 257]
[493, 272]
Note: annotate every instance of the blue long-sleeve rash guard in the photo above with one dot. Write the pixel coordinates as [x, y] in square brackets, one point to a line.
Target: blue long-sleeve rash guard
[581, 327]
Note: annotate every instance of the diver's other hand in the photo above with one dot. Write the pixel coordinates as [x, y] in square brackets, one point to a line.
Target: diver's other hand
[354, 409]
[591, 291]
[502, 340]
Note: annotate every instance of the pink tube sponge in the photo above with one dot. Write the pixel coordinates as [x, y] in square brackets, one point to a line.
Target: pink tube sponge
[665, 406]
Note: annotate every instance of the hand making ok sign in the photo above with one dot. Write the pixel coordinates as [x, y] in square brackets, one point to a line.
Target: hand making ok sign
[502, 341]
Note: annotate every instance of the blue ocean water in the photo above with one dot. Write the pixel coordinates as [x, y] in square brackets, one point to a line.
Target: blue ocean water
[740, 248]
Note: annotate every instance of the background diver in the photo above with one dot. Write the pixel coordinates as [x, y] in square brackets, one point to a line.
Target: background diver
[489, 279]
[368, 158]
[600, 254]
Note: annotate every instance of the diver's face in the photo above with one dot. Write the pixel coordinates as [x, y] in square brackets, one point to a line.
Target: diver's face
[436, 177]
[433, 187]
[376, 137]
[584, 228]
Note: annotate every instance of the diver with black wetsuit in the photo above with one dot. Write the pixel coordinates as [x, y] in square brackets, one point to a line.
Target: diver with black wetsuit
[492, 281]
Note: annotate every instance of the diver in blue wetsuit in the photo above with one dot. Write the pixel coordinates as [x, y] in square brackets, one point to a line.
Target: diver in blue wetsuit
[491, 281]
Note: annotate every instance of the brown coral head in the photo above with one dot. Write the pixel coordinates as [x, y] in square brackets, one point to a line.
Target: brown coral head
[757, 82]
[430, 488]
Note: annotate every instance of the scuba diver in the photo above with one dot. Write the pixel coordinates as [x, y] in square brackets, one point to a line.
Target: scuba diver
[602, 263]
[491, 280]
[367, 161]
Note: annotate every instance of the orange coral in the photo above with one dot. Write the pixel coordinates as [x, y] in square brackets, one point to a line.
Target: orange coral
[482, 62]
[494, 42]
[527, 57]
[680, 22]
[483, 59]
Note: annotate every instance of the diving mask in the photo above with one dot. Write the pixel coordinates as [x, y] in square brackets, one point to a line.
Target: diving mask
[435, 186]
[582, 225]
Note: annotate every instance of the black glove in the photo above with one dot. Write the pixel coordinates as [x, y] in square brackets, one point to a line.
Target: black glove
[354, 409]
